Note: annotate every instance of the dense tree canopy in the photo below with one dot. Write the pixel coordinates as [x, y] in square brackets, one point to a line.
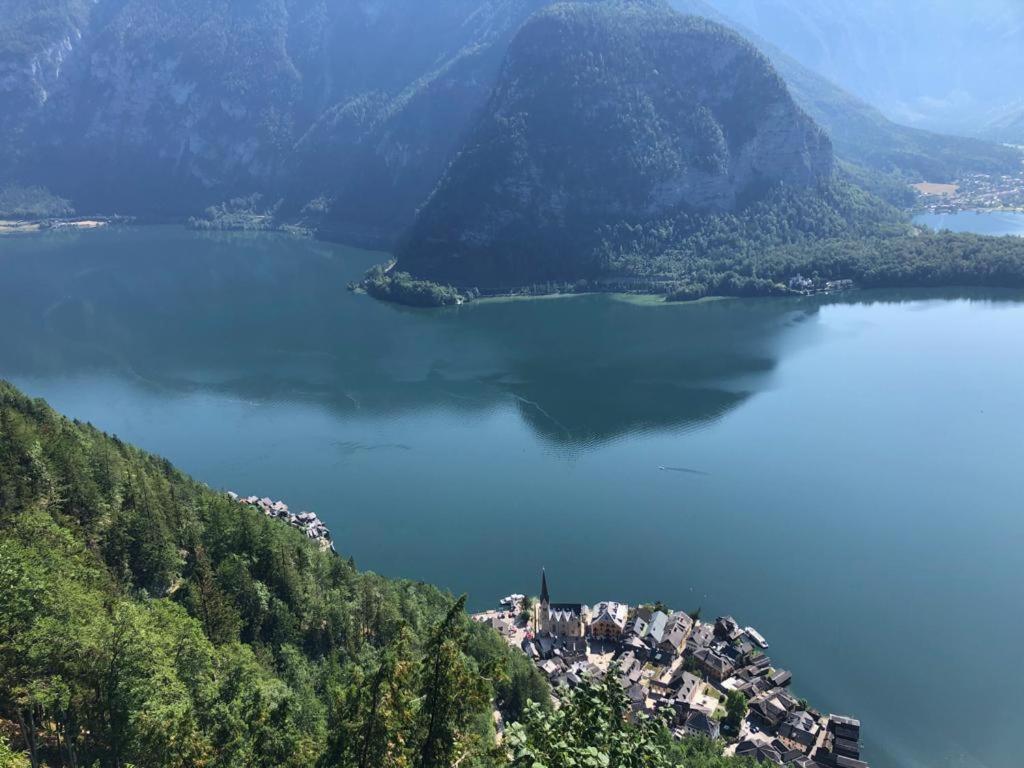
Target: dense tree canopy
[149, 620]
[593, 729]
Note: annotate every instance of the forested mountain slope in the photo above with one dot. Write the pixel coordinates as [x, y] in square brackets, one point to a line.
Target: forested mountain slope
[146, 619]
[606, 112]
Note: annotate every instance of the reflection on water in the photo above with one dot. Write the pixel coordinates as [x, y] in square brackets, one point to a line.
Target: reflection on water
[265, 317]
[995, 223]
[844, 476]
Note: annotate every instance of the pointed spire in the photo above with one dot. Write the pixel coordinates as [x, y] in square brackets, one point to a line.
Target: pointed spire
[544, 587]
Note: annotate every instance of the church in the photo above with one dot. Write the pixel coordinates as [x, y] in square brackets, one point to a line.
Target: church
[560, 619]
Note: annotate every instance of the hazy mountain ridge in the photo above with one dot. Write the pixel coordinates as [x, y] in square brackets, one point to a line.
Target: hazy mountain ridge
[860, 133]
[936, 64]
[1007, 125]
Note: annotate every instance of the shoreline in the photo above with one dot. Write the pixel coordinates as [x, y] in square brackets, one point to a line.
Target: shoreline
[307, 522]
[34, 226]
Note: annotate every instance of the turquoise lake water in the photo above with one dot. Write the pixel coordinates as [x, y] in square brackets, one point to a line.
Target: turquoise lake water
[980, 222]
[851, 480]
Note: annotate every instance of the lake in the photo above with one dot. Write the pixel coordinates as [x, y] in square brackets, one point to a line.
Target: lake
[843, 474]
[979, 222]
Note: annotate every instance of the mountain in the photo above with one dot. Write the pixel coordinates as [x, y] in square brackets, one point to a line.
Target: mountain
[943, 65]
[343, 115]
[164, 108]
[860, 133]
[609, 111]
[1007, 125]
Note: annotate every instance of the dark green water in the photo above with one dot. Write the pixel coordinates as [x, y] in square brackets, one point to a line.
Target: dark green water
[856, 487]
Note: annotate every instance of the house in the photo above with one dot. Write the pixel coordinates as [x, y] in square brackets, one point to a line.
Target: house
[699, 724]
[800, 283]
[844, 736]
[656, 626]
[727, 628]
[678, 632]
[800, 728]
[560, 619]
[700, 637]
[715, 666]
[689, 688]
[638, 628]
[662, 658]
[780, 678]
[637, 697]
[627, 664]
[773, 707]
[552, 667]
[609, 620]
[760, 751]
[754, 687]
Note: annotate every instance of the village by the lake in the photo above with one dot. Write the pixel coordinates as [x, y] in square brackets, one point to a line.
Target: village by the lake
[710, 679]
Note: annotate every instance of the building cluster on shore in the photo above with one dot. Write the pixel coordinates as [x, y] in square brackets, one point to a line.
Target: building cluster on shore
[307, 522]
[977, 191]
[671, 664]
[811, 285]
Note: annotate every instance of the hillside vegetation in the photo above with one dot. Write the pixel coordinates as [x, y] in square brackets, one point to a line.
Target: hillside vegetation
[606, 112]
[146, 619]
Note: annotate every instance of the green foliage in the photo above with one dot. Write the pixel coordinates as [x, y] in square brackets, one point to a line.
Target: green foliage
[9, 758]
[402, 288]
[735, 710]
[593, 728]
[838, 232]
[608, 112]
[148, 619]
[32, 203]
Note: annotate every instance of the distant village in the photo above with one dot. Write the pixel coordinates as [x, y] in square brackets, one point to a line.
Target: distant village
[977, 191]
[672, 664]
[307, 522]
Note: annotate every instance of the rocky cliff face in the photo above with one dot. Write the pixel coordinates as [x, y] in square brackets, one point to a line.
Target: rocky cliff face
[609, 112]
[349, 110]
[165, 107]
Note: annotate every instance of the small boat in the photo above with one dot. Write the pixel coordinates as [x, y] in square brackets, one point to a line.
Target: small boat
[756, 636]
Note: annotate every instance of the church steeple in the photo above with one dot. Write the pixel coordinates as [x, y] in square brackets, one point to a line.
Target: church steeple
[544, 599]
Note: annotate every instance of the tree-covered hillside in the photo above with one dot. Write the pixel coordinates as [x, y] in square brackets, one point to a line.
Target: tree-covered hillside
[609, 111]
[148, 620]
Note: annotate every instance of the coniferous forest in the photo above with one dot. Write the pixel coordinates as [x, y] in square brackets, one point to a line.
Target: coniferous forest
[147, 620]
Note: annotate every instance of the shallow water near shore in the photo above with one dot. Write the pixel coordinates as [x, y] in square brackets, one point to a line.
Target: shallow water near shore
[996, 223]
[852, 484]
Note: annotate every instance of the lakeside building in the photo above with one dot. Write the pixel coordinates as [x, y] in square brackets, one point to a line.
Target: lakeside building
[675, 667]
[560, 619]
[609, 620]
